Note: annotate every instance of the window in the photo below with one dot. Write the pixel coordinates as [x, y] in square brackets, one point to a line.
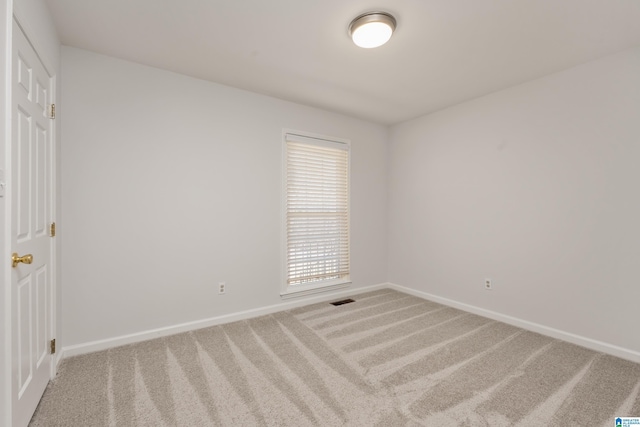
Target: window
[316, 213]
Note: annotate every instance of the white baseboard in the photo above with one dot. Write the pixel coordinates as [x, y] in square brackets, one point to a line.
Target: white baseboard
[98, 345]
[90, 347]
[589, 343]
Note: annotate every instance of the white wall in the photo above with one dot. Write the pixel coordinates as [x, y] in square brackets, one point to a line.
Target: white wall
[172, 184]
[535, 187]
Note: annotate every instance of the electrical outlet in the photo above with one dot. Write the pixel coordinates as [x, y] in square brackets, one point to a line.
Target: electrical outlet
[221, 288]
[487, 284]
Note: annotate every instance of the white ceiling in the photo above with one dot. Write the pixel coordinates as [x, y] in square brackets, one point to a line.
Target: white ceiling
[443, 52]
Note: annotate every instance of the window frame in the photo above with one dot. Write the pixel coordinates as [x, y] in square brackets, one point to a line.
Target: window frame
[288, 291]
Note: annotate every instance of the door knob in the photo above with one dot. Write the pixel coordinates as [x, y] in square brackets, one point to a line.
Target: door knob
[27, 259]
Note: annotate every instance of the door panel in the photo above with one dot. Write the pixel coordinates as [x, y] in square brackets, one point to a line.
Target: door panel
[41, 215]
[25, 355]
[41, 315]
[22, 175]
[31, 215]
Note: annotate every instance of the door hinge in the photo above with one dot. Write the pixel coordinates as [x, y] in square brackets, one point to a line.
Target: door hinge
[52, 229]
[53, 346]
[52, 114]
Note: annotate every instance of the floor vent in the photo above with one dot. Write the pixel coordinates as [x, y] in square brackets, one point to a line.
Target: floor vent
[344, 301]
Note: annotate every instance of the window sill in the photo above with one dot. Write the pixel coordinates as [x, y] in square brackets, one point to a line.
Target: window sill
[295, 292]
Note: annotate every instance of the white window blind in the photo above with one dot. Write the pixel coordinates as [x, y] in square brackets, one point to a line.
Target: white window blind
[317, 211]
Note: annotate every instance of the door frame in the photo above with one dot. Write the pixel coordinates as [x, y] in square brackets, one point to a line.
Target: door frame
[6, 14]
[10, 17]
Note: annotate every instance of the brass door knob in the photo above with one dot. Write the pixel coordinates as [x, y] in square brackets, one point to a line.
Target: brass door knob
[27, 259]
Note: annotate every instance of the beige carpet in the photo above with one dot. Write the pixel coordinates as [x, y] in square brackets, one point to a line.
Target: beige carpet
[388, 359]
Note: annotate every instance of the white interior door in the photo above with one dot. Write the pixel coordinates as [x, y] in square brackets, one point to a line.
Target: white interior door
[31, 200]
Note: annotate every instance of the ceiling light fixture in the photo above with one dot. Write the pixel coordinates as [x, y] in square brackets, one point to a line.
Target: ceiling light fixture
[372, 29]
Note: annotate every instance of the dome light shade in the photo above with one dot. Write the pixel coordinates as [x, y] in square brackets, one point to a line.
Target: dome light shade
[372, 29]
